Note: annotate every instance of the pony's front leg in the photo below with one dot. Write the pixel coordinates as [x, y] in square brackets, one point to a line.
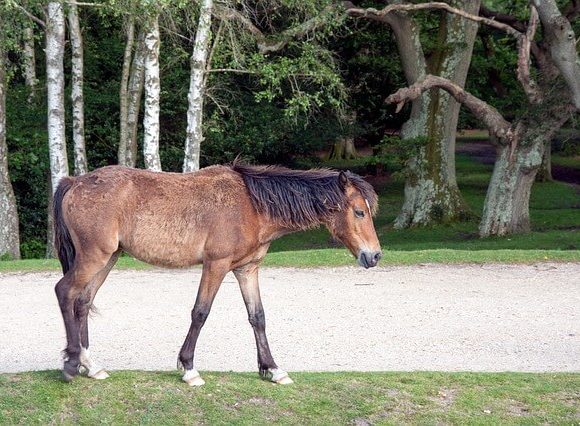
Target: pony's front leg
[247, 277]
[211, 279]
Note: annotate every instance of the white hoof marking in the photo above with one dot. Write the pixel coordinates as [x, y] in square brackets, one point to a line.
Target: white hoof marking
[192, 378]
[94, 371]
[280, 376]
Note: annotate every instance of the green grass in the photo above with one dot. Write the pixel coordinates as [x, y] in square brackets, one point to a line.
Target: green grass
[554, 211]
[316, 398]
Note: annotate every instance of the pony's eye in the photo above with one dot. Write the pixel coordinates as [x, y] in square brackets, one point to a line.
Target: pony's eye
[359, 213]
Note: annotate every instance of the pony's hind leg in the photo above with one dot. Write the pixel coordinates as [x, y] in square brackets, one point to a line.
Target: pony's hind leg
[211, 279]
[83, 305]
[248, 280]
[71, 292]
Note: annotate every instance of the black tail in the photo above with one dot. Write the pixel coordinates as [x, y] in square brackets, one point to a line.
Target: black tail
[63, 244]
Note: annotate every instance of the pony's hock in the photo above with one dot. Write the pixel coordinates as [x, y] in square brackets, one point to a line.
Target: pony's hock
[221, 217]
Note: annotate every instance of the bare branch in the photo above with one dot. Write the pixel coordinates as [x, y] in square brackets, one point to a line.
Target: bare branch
[510, 20]
[561, 42]
[409, 7]
[494, 121]
[523, 70]
[572, 10]
[31, 16]
[233, 70]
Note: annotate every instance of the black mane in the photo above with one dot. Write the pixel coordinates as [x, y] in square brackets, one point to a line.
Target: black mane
[300, 198]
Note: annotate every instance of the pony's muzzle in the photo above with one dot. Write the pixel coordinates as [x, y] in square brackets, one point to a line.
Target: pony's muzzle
[368, 259]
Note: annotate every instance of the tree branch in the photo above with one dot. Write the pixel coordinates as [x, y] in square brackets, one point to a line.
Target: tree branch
[31, 16]
[510, 20]
[274, 44]
[493, 120]
[409, 7]
[561, 42]
[523, 70]
[572, 10]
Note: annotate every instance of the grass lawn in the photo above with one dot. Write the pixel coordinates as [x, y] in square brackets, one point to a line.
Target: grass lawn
[554, 210]
[316, 398]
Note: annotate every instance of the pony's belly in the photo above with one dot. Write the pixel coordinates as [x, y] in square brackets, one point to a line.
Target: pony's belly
[166, 254]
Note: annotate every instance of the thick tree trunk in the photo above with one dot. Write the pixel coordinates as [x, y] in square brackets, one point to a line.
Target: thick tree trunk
[9, 235]
[78, 107]
[506, 208]
[124, 93]
[152, 93]
[431, 191]
[29, 62]
[343, 149]
[195, 97]
[55, 89]
[135, 89]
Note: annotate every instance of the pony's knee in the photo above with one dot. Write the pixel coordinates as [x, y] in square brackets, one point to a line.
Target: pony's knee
[257, 319]
[198, 316]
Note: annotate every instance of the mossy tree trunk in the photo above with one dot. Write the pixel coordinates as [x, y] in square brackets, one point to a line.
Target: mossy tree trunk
[343, 149]
[431, 191]
[545, 172]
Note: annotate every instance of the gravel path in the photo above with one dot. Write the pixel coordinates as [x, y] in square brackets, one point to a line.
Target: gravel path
[426, 317]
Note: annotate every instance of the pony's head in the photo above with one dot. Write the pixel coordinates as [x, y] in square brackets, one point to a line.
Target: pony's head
[352, 222]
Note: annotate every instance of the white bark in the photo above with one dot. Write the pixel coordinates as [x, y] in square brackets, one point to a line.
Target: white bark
[135, 89]
[29, 62]
[124, 91]
[55, 89]
[9, 236]
[152, 93]
[195, 97]
[78, 114]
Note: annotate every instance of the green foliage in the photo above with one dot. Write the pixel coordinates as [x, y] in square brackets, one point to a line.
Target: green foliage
[393, 154]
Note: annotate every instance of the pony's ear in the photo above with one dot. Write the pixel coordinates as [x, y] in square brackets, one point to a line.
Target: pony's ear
[343, 179]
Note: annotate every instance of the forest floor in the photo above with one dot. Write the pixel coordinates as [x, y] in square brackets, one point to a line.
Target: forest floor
[489, 317]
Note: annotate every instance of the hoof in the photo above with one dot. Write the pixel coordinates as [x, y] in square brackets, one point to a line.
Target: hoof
[192, 378]
[285, 381]
[67, 377]
[280, 376]
[99, 375]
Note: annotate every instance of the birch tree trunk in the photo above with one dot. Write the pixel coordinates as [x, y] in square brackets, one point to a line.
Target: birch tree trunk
[29, 62]
[431, 191]
[135, 91]
[9, 235]
[55, 89]
[124, 92]
[78, 114]
[195, 97]
[152, 93]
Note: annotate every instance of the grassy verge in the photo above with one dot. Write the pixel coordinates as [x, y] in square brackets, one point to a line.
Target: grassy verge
[340, 257]
[315, 398]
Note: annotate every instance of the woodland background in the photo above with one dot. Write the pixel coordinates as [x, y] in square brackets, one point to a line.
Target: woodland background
[298, 83]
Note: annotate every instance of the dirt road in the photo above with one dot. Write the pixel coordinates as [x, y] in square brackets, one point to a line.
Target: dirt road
[429, 317]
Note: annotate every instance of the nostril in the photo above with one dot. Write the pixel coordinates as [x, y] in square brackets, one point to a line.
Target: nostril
[377, 256]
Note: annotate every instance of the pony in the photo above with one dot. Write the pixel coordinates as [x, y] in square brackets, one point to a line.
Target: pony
[222, 217]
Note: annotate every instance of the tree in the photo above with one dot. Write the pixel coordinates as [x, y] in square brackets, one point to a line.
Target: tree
[152, 92]
[78, 114]
[29, 61]
[521, 143]
[55, 92]
[123, 158]
[9, 235]
[195, 97]
[431, 192]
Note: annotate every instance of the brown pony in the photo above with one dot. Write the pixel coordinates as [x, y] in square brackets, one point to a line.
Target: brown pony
[222, 217]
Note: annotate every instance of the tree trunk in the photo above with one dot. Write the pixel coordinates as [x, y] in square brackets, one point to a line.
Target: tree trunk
[78, 114]
[55, 89]
[29, 62]
[343, 149]
[545, 172]
[195, 97]
[9, 235]
[506, 208]
[136, 81]
[124, 93]
[431, 191]
[152, 92]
